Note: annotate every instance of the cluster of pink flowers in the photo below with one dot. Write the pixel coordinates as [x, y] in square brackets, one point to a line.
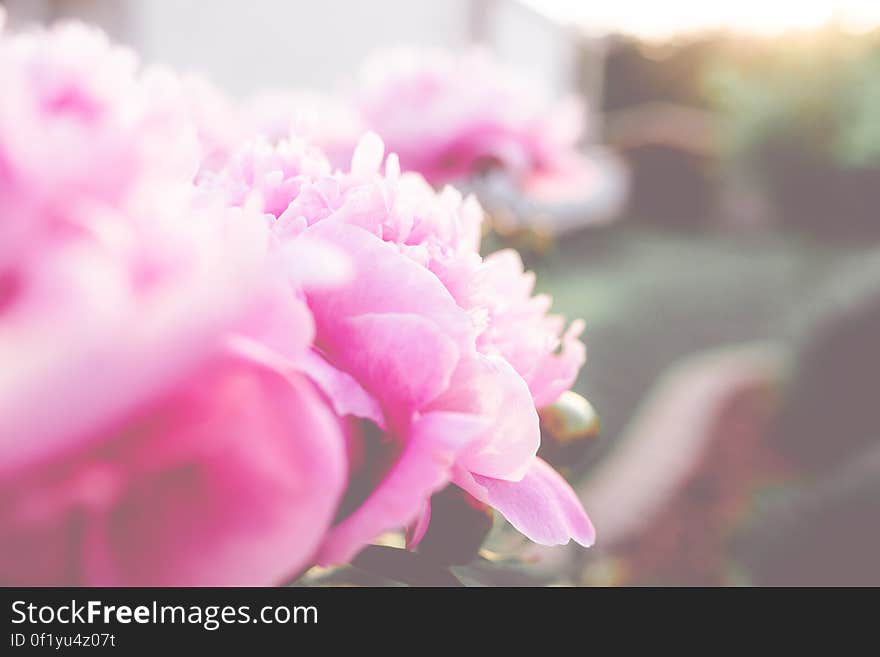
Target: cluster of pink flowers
[223, 365]
[451, 116]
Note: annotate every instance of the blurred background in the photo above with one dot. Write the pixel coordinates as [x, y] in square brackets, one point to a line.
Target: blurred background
[732, 306]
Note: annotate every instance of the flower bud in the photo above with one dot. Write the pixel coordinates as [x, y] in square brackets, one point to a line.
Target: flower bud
[569, 426]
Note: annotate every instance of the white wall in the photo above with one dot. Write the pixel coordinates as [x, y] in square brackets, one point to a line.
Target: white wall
[250, 45]
[543, 50]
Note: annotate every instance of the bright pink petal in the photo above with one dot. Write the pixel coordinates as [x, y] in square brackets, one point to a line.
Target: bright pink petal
[384, 281]
[392, 326]
[417, 530]
[79, 320]
[404, 360]
[231, 480]
[422, 469]
[542, 506]
[347, 396]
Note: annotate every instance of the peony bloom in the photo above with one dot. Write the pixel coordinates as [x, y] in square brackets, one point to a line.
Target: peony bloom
[454, 116]
[149, 432]
[223, 364]
[435, 358]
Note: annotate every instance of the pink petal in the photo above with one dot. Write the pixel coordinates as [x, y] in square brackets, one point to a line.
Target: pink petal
[312, 264]
[416, 531]
[368, 155]
[282, 323]
[422, 469]
[81, 322]
[230, 480]
[489, 387]
[404, 360]
[557, 372]
[346, 395]
[542, 506]
[384, 281]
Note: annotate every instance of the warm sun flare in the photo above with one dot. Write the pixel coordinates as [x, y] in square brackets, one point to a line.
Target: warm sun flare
[661, 19]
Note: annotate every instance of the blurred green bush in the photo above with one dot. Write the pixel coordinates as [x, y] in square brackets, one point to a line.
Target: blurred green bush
[799, 118]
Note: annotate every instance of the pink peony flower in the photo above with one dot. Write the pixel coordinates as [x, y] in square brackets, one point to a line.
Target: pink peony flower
[222, 364]
[149, 432]
[435, 357]
[453, 116]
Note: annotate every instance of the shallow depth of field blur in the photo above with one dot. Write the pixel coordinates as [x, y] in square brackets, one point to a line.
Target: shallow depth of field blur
[726, 264]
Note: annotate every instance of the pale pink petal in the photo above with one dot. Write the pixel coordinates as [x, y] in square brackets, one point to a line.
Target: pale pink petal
[313, 265]
[557, 372]
[368, 155]
[516, 325]
[282, 323]
[542, 505]
[365, 206]
[488, 386]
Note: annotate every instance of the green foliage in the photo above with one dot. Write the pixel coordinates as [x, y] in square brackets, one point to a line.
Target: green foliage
[798, 121]
[859, 142]
[814, 101]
